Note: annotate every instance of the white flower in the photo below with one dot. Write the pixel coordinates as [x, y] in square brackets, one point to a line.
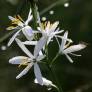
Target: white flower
[19, 24]
[30, 61]
[66, 49]
[47, 83]
[48, 31]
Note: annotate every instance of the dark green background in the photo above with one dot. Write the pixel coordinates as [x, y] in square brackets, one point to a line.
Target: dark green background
[77, 19]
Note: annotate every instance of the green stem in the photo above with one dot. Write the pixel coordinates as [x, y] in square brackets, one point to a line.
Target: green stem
[34, 11]
[54, 59]
[46, 51]
[59, 89]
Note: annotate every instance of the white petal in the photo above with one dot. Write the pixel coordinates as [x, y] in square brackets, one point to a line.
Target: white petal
[11, 18]
[35, 81]
[64, 40]
[35, 32]
[40, 44]
[40, 53]
[24, 49]
[30, 11]
[49, 39]
[53, 27]
[57, 41]
[74, 54]
[18, 59]
[38, 28]
[38, 74]
[58, 32]
[29, 17]
[28, 20]
[69, 58]
[40, 57]
[74, 48]
[27, 31]
[61, 37]
[25, 71]
[46, 82]
[48, 27]
[13, 38]
[30, 42]
[13, 28]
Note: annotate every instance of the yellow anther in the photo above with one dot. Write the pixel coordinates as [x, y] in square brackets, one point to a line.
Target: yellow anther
[16, 21]
[46, 25]
[24, 62]
[20, 18]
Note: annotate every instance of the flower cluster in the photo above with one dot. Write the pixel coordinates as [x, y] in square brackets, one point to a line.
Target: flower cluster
[39, 39]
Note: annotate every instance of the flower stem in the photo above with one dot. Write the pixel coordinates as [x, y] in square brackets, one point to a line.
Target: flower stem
[59, 89]
[34, 11]
[54, 59]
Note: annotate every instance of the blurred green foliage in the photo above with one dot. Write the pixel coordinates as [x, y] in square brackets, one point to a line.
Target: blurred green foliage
[77, 19]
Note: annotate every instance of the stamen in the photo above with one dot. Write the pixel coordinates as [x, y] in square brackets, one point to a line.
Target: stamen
[67, 45]
[20, 18]
[24, 63]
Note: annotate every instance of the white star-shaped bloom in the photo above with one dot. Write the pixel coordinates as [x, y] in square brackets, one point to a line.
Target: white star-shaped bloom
[66, 49]
[48, 31]
[47, 83]
[31, 60]
[20, 25]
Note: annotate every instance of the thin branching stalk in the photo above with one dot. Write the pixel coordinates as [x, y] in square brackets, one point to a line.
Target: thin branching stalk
[34, 12]
[51, 69]
[54, 59]
[59, 89]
